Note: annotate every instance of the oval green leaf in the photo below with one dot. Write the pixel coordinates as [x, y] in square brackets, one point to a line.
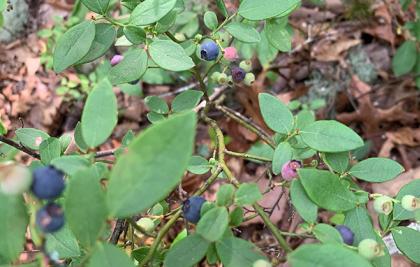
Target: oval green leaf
[330, 136]
[187, 252]
[108, 255]
[407, 240]
[170, 55]
[276, 115]
[264, 9]
[124, 71]
[282, 154]
[376, 170]
[300, 200]
[150, 11]
[157, 159]
[99, 115]
[73, 45]
[234, 252]
[213, 224]
[326, 190]
[97, 6]
[243, 32]
[104, 37]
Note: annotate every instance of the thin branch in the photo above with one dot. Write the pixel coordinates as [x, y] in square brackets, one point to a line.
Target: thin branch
[20, 147]
[247, 156]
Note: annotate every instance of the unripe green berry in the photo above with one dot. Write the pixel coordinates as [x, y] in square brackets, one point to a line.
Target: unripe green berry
[261, 263]
[146, 224]
[383, 205]
[223, 79]
[215, 76]
[369, 249]
[246, 65]
[249, 79]
[410, 202]
[180, 37]
[198, 37]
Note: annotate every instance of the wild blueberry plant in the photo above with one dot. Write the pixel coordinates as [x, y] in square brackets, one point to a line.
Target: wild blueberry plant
[312, 159]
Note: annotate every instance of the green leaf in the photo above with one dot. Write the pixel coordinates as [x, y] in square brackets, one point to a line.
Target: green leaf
[282, 154]
[412, 188]
[213, 224]
[187, 252]
[31, 137]
[339, 162]
[165, 23]
[360, 223]
[407, 240]
[135, 34]
[124, 71]
[327, 234]
[65, 141]
[49, 149]
[247, 194]
[3, 129]
[99, 115]
[300, 200]
[278, 35]
[210, 20]
[326, 190]
[276, 114]
[234, 252]
[97, 6]
[108, 255]
[225, 195]
[150, 11]
[186, 100]
[170, 55]
[198, 165]
[104, 38]
[157, 159]
[330, 136]
[70, 164]
[62, 242]
[304, 117]
[404, 59]
[265, 50]
[73, 45]
[13, 223]
[154, 117]
[376, 170]
[243, 32]
[236, 217]
[78, 138]
[156, 104]
[326, 255]
[222, 7]
[264, 9]
[85, 207]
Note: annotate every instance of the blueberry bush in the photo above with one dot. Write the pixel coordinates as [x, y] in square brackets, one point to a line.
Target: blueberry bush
[73, 206]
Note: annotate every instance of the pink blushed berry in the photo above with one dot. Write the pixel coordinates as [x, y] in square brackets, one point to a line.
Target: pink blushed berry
[230, 53]
[116, 59]
[289, 169]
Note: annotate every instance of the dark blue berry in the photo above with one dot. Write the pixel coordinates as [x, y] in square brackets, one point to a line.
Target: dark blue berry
[192, 208]
[48, 183]
[50, 218]
[346, 234]
[209, 50]
[238, 74]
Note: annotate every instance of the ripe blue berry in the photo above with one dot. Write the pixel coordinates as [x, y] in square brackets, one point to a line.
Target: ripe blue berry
[346, 234]
[238, 74]
[50, 218]
[192, 208]
[48, 183]
[209, 50]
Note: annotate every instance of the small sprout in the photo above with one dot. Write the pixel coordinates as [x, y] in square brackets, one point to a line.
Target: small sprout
[383, 204]
[346, 233]
[289, 169]
[215, 76]
[198, 38]
[410, 202]
[249, 79]
[369, 249]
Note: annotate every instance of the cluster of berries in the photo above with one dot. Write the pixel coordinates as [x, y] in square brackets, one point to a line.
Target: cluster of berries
[48, 184]
[209, 51]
